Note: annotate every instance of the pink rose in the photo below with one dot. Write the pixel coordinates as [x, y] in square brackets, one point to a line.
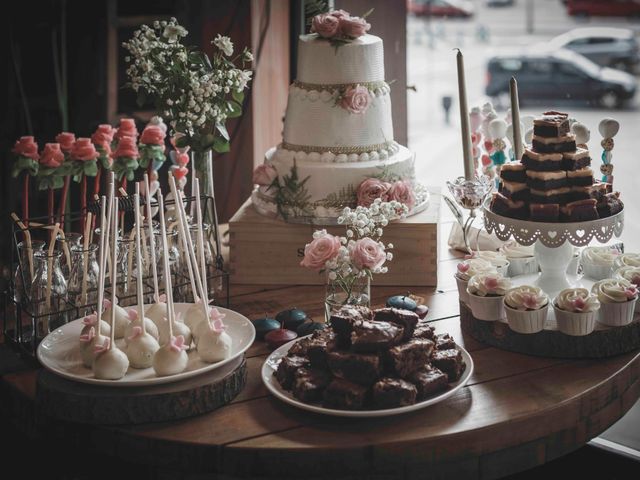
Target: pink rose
[52, 155]
[127, 128]
[103, 136]
[325, 25]
[371, 189]
[26, 147]
[340, 13]
[84, 150]
[264, 175]
[319, 251]
[356, 99]
[66, 141]
[353, 27]
[152, 135]
[401, 191]
[126, 148]
[182, 158]
[367, 253]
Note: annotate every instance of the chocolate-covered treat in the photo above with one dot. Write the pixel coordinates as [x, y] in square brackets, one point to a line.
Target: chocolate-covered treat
[373, 336]
[450, 362]
[551, 124]
[556, 195]
[508, 208]
[515, 191]
[566, 143]
[393, 392]
[542, 162]
[610, 204]
[544, 212]
[599, 190]
[405, 318]
[513, 172]
[309, 384]
[344, 395]
[424, 330]
[580, 211]
[546, 180]
[355, 367]
[321, 342]
[287, 369]
[444, 341]
[428, 380]
[576, 160]
[580, 178]
[579, 193]
[299, 349]
[342, 321]
[410, 356]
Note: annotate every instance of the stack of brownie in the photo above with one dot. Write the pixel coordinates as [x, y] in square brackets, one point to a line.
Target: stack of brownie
[378, 359]
[553, 182]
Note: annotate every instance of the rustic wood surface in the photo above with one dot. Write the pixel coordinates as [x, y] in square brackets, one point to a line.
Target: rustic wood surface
[517, 412]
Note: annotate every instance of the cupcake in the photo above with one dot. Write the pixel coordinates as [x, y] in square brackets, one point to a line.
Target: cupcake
[497, 259]
[617, 299]
[597, 262]
[521, 259]
[486, 291]
[467, 269]
[626, 260]
[631, 274]
[526, 308]
[576, 311]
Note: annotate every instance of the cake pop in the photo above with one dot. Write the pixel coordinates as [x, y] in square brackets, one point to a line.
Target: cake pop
[110, 362]
[88, 342]
[91, 321]
[149, 326]
[120, 316]
[214, 344]
[141, 348]
[195, 316]
[214, 316]
[582, 134]
[158, 310]
[177, 328]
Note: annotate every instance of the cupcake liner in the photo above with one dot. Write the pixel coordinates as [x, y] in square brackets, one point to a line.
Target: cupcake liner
[526, 321]
[488, 309]
[574, 323]
[522, 266]
[462, 289]
[617, 314]
[596, 272]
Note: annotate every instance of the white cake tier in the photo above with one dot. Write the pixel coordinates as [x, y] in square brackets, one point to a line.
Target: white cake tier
[322, 191]
[316, 123]
[361, 60]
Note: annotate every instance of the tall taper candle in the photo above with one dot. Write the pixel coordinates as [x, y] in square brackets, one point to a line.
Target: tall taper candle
[469, 167]
[515, 119]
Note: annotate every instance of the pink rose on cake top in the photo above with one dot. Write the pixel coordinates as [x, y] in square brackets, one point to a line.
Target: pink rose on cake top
[326, 25]
[340, 24]
[371, 189]
[52, 156]
[367, 253]
[26, 147]
[323, 248]
[353, 27]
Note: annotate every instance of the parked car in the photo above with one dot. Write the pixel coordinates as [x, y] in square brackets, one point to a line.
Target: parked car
[500, 3]
[558, 75]
[441, 8]
[608, 47]
[603, 8]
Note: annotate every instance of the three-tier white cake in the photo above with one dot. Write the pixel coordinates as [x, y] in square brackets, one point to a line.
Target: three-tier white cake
[338, 133]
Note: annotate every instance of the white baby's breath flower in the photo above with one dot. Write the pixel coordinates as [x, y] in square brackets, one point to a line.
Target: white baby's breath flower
[332, 275]
[390, 245]
[174, 32]
[224, 44]
[247, 56]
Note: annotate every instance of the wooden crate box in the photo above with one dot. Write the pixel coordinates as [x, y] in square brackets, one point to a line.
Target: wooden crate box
[268, 251]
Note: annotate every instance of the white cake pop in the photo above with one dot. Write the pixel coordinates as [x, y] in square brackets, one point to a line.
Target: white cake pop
[141, 347]
[214, 344]
[178, 328]
[88, 342]
[195, 316]
[581, 132]
[121, 317]
[204, 325]
[110, 363]
[91, 321]
[157, 311]
[149, 326]
[171, 358]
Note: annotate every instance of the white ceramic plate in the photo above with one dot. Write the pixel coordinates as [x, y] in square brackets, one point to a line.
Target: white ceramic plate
[59, 352]
[271, 363]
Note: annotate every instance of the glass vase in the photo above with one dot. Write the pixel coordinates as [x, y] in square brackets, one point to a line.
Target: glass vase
[48, 294]
[339, 294]
[22, 275]
[203, 168]
[83, 281]
[65, 243]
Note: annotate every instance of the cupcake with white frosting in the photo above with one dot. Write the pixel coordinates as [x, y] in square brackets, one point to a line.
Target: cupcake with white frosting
[576, 311]
[626, 260]
[617, 299]
[521, 258]
[486, 292]
[467, 269]
[526, 308]
[632, 275]
[597, 262]
[497, 259]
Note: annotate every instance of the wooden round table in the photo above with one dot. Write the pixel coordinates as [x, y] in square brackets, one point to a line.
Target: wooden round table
[517, 412]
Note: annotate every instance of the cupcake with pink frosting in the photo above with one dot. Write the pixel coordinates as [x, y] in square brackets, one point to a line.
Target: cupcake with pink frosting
[576, 311]
[632, 275]
[467, 269]
[526, 308]
[617, 299]
[486, 292]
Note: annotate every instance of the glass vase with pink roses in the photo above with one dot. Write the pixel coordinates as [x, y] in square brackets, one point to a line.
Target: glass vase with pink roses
[350, 261]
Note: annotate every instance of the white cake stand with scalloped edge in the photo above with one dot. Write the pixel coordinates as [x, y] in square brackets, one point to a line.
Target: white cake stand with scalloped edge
[553, 242]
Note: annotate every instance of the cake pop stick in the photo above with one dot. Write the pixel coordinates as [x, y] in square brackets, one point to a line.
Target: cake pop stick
[27, 238]
[136, 203]
[127, 278]
[85, 257]
[152, 241]
[52, 243]
[167, 272]
[101, 261]
[203, 263]
[114, 253]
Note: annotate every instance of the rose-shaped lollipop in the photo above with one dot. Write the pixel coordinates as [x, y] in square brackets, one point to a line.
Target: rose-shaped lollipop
[126, 148]
[127, 128]
[83, 150]
[66, 141]
[26, 147]
[152, 135]
[52, 156]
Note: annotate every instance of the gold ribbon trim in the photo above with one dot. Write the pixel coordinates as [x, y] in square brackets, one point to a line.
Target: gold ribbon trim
[334, 87]
[341, 150]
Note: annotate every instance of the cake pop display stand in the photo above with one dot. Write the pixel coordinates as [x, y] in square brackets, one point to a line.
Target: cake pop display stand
[554, 251]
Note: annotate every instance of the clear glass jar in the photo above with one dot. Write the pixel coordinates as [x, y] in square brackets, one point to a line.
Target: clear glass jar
[84, 278]
[176, 262]
[22, 275]
[48, 294]
[64, 244]
[125, 278]
[339, 294]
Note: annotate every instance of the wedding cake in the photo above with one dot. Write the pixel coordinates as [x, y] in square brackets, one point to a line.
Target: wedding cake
[338, 148]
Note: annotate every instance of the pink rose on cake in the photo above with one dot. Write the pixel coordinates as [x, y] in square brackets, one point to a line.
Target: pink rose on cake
[126, 148]
[367, 253]
[356, 99]
[323, 248]
[52, 156]
[66, 141]
[264, 175]
[371, 189]
[26, 147]
[83, 150]
[354, 27]
[402, 191]
[326, 25]
[152, 135]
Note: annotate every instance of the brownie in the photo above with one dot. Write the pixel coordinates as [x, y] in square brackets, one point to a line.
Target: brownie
[576, 160]
[393, 392]
[359, 368]
[580, 211]
[309, 384]
[299, 349]
[579, 193]
[610, 204]
[506, 207]
[444, 341]
[514, 191]
[287, 369]
[551, 124]
[372, 336]
[405, 318]
[344, 395]
[342, 321]
[428, 380]
[321, 342]
[546, 180]
[450, 362]
[410, 356]
[424, 330]
[566, 143]
[557, 195]
[513, 172]
[582, 177]
[542, 162]
[599, 190]
[544, 212]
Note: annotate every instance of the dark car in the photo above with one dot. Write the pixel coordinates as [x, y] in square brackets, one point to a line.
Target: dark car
[441, 8]
[603, 8]
[558, 75]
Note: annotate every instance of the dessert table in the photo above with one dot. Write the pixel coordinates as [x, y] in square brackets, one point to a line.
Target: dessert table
[516, 412]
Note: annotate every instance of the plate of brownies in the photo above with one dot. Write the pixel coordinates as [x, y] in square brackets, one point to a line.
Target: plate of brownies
[368, 363]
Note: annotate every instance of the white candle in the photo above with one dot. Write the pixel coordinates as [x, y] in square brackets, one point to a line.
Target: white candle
[469, 167]
[515, 119]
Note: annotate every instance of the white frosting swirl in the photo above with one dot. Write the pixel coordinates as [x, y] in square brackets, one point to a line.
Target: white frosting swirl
[613, 290]
[513, 249]
[602, 256]
[526, 297]
[627, 260]
[470, 267]
[631, 274]
[577, 300]
[497, 259]
[491, 284]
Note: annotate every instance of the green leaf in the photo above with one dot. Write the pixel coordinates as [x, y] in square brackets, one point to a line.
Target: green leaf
[223, 131]
[207, 141]
[182, 142]
[238, 96]
[221, 145]
[91, 168]
[368, 12]
[234, 109]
